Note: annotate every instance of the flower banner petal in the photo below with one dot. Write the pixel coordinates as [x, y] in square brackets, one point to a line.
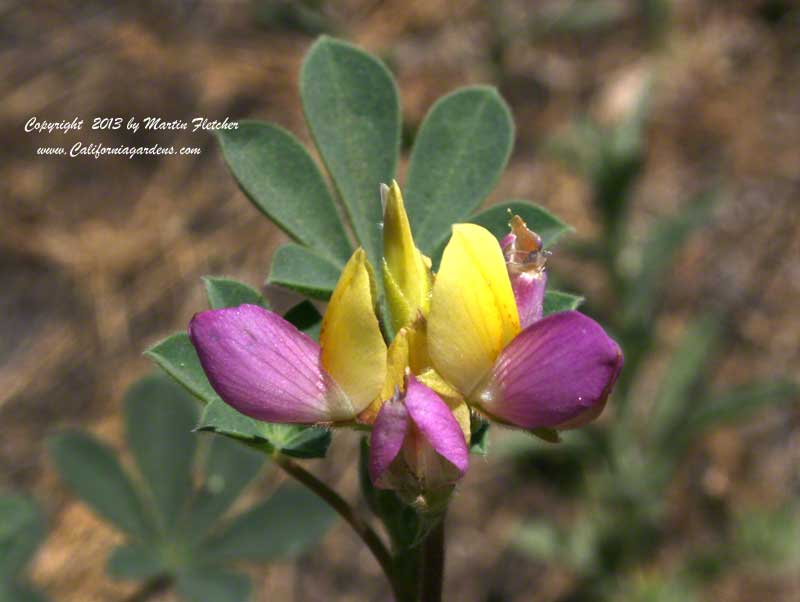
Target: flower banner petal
[265, 368]
[353, 349]
[557, 373]
[473, 312]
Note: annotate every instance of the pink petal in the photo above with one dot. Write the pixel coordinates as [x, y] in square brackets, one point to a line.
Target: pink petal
[528, 290]
[388, 434]
[436, 422]
[265, 368]
[556, 373]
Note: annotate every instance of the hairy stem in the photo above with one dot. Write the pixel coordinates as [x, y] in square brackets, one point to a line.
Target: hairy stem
[433, 564]
[340, 505]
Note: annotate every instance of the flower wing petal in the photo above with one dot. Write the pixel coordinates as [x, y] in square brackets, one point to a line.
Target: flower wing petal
[436, 422]
[265, 368]
[557, 373]
[353, 349]
[473, 312]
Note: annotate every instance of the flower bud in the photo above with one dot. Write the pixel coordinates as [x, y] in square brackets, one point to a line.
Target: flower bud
[525, 260]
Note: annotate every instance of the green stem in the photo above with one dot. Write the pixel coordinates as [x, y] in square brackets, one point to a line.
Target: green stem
[433, 564]
[340, 505]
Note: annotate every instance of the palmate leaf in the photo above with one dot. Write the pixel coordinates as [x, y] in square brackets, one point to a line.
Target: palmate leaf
[303, 270]
[93, 473]
[224, 292]
[159, 417]
[22, 529]
[278, 175]
[134, 561]
[462, 148]
[19, 592]
[213, 585]
[176, 356]
[287, 524]
[229, 467]
[352, 110]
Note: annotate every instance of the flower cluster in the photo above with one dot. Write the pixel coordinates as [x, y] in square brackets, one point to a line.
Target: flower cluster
[469, 339]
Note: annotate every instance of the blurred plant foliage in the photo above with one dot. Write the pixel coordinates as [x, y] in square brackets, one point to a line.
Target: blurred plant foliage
[619, 471]
[174, 510]
[22, 529]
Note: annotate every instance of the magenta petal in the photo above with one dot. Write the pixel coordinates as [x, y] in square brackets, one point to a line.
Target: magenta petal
[265, 368]
[386, 441]
[528, 290]
[556, 373]
[436, 422]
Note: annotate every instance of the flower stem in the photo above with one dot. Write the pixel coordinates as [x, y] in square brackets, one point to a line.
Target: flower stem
[433, 564]
[340, 505]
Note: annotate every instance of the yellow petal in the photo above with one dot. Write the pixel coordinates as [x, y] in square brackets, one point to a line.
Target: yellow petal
[353, 350]
[473, 313]
[406, 274]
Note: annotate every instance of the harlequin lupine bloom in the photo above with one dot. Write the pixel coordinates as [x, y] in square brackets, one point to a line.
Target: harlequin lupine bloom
[469, 338]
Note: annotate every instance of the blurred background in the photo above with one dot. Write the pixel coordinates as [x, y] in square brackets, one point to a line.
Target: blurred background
[666, 132]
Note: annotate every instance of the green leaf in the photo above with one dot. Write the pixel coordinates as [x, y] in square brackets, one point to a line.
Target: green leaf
[278, 175]
[22, 529]
[556, 301]
[177, 357]
[351, 106]
[286, 525]
[93, 473]
[223, 292]
[229, 467]
[19, 592]
[304, 271]
[159, 418]
[545, 224]
[212, 585]
[290, 439]
[306, 318]
[134, 561]
[674, 401]
[739, 402]
[462, 148]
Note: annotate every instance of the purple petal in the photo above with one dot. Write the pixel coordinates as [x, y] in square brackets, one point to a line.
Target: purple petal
[528, 290]
[265, 368]
[557, 373]
[386, 441]
[436, 422]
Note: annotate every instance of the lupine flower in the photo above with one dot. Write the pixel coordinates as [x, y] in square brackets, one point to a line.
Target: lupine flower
[470, 337]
